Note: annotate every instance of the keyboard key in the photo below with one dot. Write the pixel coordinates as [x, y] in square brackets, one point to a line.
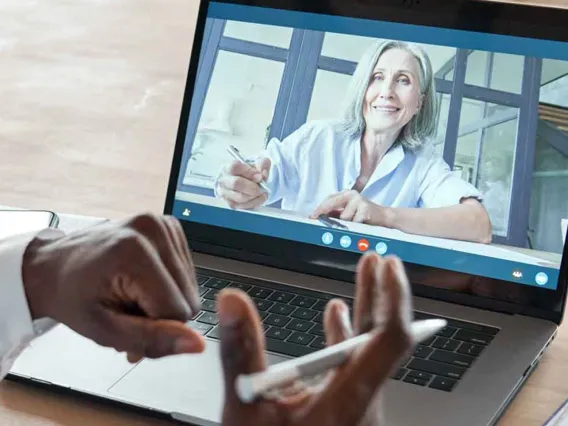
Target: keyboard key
[452, 358]
[492, 331]
[318, 318]
[211, 294]
[422, 351]
[447, 332]
[318, 343]
[469, 349]
[420, 375]
[278, 333]
[415, 380]
[277, 320]
[281, 309]
[443, 383]
[240, 286]
[301, 338]
[286, 348]
[299, 325]
[263, 314]
[281, 297]
[446, 344]
[305, 314]
[320, 305]
[202, 290]
[473, 337]
[199, 327]
[262, 304]
[399, 374]
[259, 293]
[209, 305]
[217, 283]
[201, 279]
[437, 368]
[215, 333]
[428, 341]
[208, 318]
[317, 329]
[303, 301]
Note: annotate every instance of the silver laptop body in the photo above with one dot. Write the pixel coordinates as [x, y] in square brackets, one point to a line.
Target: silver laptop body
[507, 298]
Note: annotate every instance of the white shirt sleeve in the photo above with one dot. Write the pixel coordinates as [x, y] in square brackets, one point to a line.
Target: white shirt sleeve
[16, 326]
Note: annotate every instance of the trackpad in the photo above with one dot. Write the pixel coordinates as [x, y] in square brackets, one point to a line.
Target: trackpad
[191, 385]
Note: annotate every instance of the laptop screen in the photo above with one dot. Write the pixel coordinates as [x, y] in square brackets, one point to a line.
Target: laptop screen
[445, 147]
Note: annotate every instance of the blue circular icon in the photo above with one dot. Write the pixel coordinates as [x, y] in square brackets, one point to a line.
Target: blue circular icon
[327, 238]
[345, 241]
[381, 248]
[541, 278]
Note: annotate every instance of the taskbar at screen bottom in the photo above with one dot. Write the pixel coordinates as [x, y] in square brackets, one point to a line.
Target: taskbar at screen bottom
[453, 260]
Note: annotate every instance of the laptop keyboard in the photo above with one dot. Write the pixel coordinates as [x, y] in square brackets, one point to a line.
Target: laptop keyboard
[293, 326]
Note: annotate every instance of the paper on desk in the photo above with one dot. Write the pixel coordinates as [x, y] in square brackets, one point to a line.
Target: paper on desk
[564, 226]
[560, 417]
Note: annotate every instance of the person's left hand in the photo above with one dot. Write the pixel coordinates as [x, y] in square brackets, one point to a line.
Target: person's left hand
[350, 395]
[352, 206]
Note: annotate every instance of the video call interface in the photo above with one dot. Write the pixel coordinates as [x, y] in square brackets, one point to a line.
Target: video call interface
[445, 155]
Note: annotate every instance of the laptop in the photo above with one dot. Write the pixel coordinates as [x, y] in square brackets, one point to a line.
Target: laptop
[264, 71]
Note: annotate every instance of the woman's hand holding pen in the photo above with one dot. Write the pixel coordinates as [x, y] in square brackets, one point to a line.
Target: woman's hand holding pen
[349, 395]
[239, 183]
[351, 206]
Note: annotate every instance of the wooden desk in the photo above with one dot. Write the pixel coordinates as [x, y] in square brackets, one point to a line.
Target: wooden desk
[91, 93]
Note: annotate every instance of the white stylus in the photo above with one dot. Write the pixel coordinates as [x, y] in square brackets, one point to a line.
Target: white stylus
[248, 387]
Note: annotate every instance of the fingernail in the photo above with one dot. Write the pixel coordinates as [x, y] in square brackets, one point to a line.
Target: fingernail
[346, 321]
[265, 174]
[229, 311]
[257, 177]
[185, 345]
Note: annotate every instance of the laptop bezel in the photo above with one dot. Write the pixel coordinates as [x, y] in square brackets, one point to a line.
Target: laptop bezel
[498, 18]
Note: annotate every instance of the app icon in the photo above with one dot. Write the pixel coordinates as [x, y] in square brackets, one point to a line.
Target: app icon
[345, 241]
[363, 245]
[541, 278]
[381, 248]
[186, 212]
[327, 238]
[517, 274]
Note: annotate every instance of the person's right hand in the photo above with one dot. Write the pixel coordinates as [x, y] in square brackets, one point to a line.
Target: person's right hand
[128, 285]
[239, 186]
[350, 395]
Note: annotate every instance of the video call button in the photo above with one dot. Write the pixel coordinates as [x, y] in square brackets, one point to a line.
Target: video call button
[327, 238]
[363, 245]
[381, 248]
[541, 278]
[345, 241]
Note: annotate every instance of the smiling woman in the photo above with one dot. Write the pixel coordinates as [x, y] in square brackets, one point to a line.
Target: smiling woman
[375, 165]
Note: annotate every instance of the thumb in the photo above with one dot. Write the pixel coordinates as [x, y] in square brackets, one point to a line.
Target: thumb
[242, 341]
[150, 338]
[263, 164]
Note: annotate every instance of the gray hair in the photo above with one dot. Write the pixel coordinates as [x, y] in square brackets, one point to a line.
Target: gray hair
[422, 126]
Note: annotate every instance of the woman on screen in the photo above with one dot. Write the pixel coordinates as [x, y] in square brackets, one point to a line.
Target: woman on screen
[376, 165]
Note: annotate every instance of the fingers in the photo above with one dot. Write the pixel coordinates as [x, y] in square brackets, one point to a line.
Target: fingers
[148, 338]
[352, 391]
[166, 241]
[242, 341]
[349, 211]
[337, 324]
[241, 185]
[263, 164]
[246, 171]
[334, 202]
[237, 200]
[366, 289]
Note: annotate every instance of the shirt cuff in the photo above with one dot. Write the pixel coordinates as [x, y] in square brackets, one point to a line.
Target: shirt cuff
[16, 326]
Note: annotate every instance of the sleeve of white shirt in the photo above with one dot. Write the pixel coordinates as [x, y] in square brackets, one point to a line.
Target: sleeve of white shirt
[17, 329]
[440, 187]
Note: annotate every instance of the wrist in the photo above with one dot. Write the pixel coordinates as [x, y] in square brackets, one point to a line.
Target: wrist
[388, 217]
[39, 268]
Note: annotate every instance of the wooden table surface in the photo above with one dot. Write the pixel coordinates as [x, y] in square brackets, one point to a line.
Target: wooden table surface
[90, 93]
